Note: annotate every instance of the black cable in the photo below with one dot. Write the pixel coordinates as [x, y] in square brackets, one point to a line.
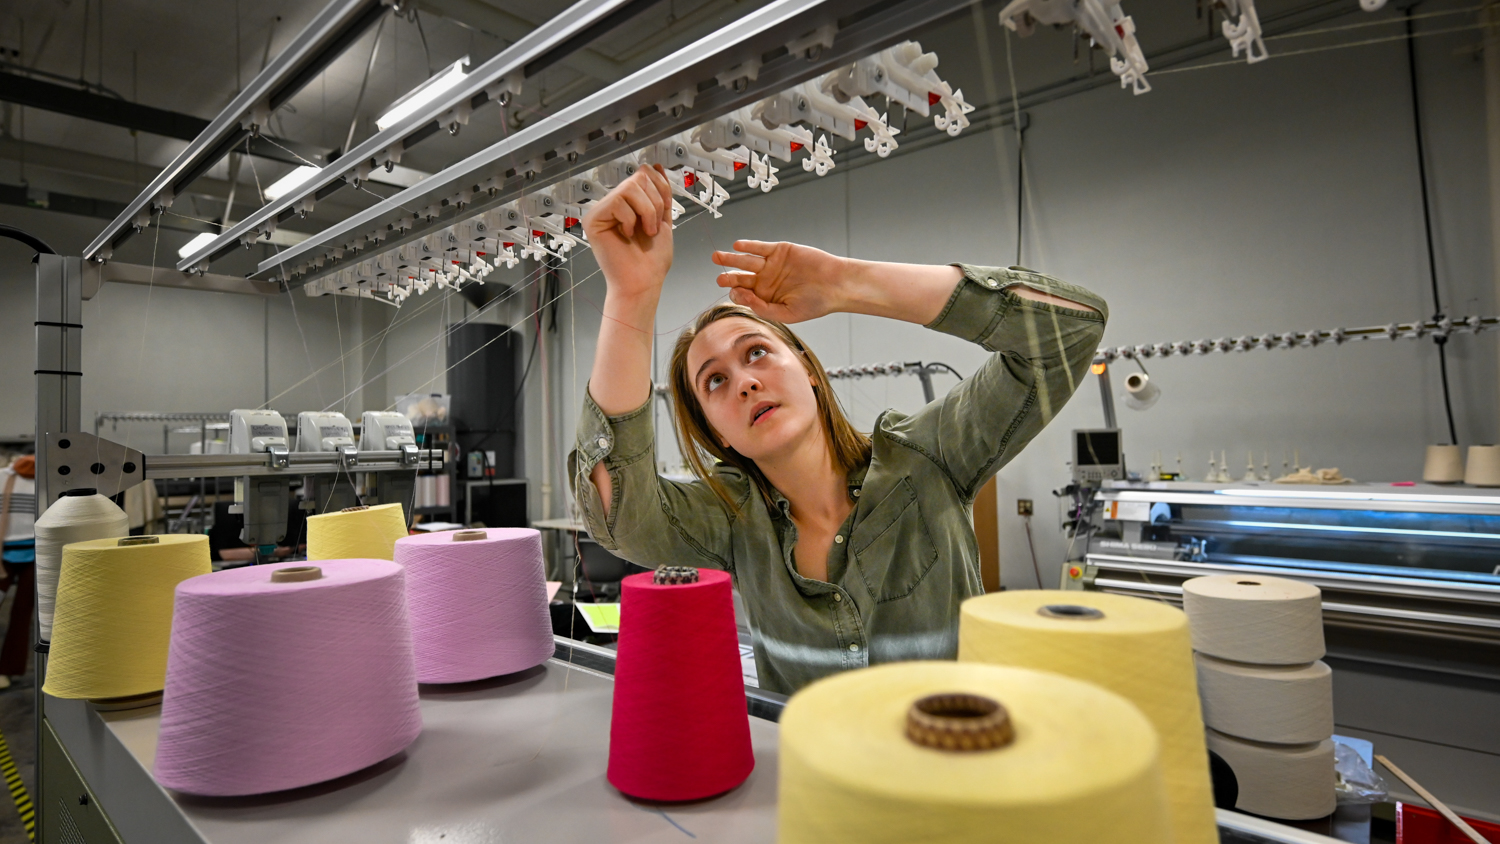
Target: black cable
[28, 239]
[1437, 301]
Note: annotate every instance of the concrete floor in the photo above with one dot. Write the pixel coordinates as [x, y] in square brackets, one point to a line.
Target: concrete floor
[17, 722]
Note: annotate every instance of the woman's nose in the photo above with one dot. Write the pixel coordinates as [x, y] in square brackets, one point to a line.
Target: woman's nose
[748, 386]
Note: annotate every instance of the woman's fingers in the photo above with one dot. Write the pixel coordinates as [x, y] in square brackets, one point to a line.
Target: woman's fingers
[658, 179]
[755, 247]
[644, 204]
[737, 280]
[741, 296]
[749, 263]
[625, 217]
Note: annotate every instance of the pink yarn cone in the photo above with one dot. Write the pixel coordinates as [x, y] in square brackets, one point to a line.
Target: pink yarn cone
[478, 607]
[274, 685]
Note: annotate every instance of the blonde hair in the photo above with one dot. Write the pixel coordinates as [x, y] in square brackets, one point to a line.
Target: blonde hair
[697, 439]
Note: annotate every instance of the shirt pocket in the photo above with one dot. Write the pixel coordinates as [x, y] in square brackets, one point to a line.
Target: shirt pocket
[892, 548]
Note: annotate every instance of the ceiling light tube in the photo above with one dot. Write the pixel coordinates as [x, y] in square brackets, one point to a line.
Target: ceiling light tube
[290, 182]
[198, 242]
[423, 94]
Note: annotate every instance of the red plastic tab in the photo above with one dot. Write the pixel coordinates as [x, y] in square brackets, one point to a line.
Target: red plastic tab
[507, 245]
[688, 178]
[934, 99]
[570, 222]
[738, 166]
[859, 124]
[796, 146]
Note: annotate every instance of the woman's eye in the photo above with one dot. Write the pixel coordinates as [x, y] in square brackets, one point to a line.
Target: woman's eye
[713, 382]
[757, 353]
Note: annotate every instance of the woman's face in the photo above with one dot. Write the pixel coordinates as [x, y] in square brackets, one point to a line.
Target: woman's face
[753, 387]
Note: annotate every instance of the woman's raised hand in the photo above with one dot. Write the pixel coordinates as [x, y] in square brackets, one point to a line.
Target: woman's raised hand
[784, 281]
[630, 232]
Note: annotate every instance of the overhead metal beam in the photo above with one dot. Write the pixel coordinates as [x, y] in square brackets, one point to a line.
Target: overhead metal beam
[860, 27]
[579, 24]
[481, 16]
[323, 40]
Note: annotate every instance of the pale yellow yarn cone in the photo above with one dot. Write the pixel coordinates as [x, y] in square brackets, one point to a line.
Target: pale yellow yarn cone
[356, 533]
[114, 614]
[1139, 649]
[1082, 767]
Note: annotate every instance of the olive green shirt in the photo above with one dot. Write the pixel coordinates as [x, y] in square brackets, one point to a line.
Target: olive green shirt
[907, 556]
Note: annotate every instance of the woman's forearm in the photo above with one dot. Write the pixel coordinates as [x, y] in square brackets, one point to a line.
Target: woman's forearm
[916, 292]
[621, 379]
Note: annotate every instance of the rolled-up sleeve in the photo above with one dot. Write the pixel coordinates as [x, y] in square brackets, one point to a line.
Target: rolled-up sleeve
[652, 521]
[1041, 354]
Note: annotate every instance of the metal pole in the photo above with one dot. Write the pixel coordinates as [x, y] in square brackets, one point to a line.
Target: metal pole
[1106, 395]
[59, 373]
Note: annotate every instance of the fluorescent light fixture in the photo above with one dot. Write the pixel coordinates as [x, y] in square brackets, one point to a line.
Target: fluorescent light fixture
[198, 242]
[290, 182]
[1363, 496]
[423, 94]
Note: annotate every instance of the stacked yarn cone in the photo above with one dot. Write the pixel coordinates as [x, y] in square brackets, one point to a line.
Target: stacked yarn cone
[1267, 695]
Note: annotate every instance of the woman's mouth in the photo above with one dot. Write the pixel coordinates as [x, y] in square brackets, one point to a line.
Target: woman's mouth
[761, 412]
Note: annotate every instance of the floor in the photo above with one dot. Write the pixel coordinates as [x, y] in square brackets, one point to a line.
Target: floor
[17, 723]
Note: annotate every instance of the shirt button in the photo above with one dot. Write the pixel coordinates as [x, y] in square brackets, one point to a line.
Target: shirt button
[856, 492]
[839, 539]
[990, 282]
[603, 442]
[837, 597]
[854, 646]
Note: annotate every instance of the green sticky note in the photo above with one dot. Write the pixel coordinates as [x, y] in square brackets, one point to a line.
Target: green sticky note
[602, 618]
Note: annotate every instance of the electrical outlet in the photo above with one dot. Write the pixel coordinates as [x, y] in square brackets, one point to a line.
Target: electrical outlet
[1023, 506]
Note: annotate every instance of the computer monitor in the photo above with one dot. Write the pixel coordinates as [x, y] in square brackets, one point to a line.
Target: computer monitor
[1098, 455]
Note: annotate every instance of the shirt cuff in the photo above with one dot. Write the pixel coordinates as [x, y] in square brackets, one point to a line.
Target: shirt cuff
[613, 440]
[980, 300]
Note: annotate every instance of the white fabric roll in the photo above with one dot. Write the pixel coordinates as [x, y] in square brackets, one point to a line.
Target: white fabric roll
[1293, 782]
[1255, 619]
[1282, 704]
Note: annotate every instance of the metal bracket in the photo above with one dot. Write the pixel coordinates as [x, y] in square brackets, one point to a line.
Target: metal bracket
[76, 460]
[408, 455]
[348, 456]
[280, 456]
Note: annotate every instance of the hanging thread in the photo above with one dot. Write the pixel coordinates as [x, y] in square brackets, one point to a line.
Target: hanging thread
[1080, 766]
[680, 730]
[356, 533]
[285, 675]
[1136, 648]
[78, 516]
[478, 602]
[114, 613]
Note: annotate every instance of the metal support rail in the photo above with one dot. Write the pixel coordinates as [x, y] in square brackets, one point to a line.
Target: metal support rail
[654, 101]
[323, 40]
[163, 466]
[494, 81]
[1445, 327]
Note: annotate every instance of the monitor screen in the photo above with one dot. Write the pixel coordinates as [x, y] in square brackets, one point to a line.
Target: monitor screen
[1098, 448]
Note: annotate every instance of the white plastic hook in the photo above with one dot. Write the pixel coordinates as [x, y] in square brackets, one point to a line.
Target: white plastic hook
[821, 160]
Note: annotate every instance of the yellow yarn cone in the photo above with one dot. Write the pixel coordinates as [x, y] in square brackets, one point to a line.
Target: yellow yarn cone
[356, 533]
[114, 613]
[1136, 648]
[1081, 768]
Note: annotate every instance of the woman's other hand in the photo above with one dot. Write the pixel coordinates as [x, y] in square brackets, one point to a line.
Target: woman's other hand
[630, 232]
[788, 282]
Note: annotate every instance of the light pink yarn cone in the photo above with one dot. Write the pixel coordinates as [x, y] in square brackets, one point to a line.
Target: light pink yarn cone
[273, 686]
[478, 608]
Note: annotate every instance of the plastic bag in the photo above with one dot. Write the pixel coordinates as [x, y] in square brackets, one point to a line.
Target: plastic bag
[1357, 783]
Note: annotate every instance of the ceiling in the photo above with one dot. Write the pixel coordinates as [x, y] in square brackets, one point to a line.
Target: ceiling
[192, 57]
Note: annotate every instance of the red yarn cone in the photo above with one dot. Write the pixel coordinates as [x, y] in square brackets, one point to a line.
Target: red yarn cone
[680, 729]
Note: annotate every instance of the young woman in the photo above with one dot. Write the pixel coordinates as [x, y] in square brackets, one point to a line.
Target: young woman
[849, 549]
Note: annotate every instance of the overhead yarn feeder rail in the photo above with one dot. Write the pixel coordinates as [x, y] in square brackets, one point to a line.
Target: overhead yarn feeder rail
[1446, 327]
[315, 47]
[495, 81]
[766, 52]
